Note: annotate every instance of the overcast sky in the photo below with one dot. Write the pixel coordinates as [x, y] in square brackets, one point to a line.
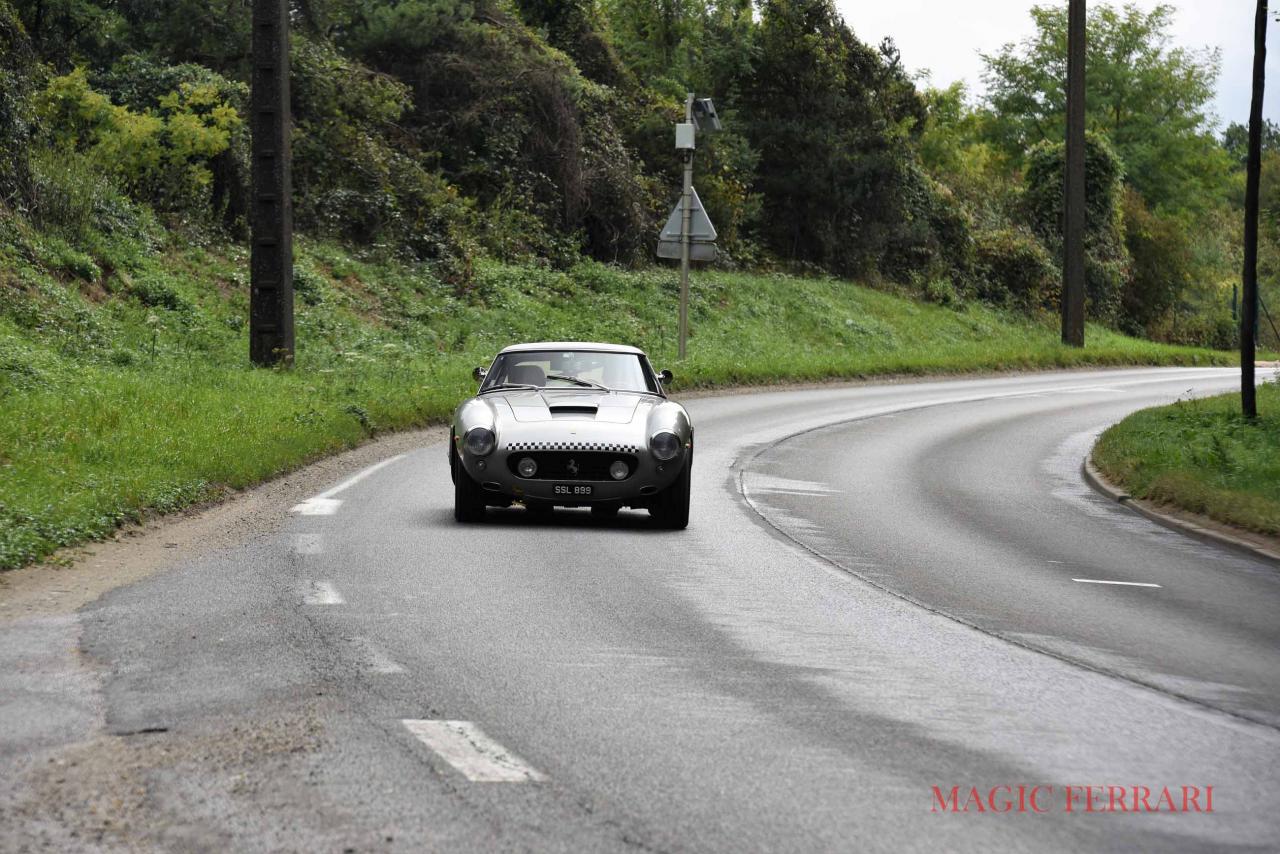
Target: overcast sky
[946, 37]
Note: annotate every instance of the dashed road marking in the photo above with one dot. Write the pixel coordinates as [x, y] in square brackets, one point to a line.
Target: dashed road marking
[317, 507]
[325, 504]
[376, 660]
[322, 593]
[308, 544]
[1120, 583]
[477, 756]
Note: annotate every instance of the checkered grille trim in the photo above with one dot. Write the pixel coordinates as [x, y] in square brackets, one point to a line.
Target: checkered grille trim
[573, 446]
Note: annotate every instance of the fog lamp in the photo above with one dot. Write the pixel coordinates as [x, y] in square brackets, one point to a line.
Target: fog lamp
[619, 470]
[527, 467]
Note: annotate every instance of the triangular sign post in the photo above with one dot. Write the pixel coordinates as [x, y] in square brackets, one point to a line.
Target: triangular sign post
[700, 228]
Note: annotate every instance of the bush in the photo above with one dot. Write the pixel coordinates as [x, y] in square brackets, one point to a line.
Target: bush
[354, 178]
[73, 197]
[155, 292]
[1162, 265]
[1106, 259]
[161, 154]
[1012, 267]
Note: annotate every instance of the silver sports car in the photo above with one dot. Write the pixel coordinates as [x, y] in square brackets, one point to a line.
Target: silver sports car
[573, 425]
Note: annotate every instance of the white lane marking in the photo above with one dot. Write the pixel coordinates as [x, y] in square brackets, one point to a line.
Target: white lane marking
[308, 544]
[325, 504]
[317, 507]
[377, 660]
[465, 746]
[358, 476]
[1121, 583]
[322, 593]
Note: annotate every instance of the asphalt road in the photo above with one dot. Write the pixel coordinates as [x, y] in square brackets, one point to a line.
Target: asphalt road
[876, 596]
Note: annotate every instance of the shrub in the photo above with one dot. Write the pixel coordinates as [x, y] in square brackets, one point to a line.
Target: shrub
[161, 154]
[1107, 261]
[1162, 265]
[1011, 266]
[353, 177]
[155, 292]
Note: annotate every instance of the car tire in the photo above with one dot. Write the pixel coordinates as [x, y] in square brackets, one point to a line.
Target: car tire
[468, 497]
[671, 509]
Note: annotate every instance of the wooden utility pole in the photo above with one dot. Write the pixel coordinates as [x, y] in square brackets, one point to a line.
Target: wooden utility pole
[1073, 226]
[271, 215]
[1253, 169]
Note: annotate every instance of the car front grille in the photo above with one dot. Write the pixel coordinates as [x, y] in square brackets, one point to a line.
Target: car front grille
[572, 465]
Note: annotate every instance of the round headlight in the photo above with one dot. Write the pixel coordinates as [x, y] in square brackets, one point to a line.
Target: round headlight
[665, 445]
[527, 467]
[479, 441]
[619, 470]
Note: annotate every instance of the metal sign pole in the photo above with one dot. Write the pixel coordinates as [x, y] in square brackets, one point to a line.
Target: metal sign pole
[686, 219]
[271, 219]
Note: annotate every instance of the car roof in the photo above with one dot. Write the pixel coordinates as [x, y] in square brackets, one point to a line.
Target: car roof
[580, 346]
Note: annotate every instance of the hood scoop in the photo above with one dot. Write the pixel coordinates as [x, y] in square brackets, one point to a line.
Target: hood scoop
[573, 411]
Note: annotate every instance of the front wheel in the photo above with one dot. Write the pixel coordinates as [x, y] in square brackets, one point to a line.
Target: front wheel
[468, 498]
[671, 508]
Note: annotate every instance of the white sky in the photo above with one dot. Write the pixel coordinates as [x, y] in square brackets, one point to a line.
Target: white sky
[946, 37]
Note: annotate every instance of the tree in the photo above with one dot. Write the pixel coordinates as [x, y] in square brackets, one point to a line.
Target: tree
[834, 121]
[1149, 98]
[1235, 139]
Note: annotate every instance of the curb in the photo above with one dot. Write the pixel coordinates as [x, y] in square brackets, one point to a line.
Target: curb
[1100, 484]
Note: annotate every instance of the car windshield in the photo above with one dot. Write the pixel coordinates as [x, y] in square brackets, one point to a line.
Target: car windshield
[570, 369]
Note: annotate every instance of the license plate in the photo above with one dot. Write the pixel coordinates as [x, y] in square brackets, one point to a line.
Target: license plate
[574, 490]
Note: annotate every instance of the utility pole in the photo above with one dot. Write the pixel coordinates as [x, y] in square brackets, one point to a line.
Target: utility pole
[686, 220]
[1073, 231]
[271, 216]
[1253, 169]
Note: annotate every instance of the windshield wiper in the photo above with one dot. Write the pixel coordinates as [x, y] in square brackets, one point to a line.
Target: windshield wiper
[577, 381]
[501, 386]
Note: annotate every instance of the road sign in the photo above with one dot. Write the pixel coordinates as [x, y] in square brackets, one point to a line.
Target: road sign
[700, 228]
[699, 251]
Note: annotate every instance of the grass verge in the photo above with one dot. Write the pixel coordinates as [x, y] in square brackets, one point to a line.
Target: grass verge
[1202, 456]
[125, 389]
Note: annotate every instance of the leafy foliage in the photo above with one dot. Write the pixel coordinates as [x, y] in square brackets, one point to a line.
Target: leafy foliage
[1149, 97]
[161, 153]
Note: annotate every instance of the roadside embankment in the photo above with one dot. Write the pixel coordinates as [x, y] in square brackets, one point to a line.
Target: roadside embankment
[1202, 457]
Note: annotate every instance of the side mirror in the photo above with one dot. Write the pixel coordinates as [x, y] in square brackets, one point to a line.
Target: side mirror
[479, 374]
[665, 377]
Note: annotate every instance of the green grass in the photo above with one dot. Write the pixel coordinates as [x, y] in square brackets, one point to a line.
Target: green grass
[125, 389]
[1202, 456]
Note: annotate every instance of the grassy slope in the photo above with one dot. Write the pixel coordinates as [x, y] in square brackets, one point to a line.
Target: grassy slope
[1202, 456]
[127, 392]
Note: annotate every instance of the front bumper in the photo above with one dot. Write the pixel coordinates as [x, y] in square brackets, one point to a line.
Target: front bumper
[497, 480]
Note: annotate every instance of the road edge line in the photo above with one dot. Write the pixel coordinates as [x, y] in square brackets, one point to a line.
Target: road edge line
[1106, 488]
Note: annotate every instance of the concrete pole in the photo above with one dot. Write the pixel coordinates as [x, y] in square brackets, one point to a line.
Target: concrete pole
[686, 225]
[1073, 242]
[271, 218]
